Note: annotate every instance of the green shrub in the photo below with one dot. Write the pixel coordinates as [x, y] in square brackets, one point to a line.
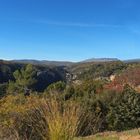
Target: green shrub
[56, 87]
[124, 112]
[3, 88]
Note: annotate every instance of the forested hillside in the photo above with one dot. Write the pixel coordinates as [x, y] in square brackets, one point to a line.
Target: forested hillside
[44, 75]
[40, 102]
[114, 73]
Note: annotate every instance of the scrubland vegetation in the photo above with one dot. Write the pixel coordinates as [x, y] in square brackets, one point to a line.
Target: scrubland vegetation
[67, 103]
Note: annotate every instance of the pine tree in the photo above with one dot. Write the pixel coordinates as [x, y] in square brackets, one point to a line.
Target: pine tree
[24, 78]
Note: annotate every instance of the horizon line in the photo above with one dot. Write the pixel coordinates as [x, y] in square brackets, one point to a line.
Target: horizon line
[96, 58]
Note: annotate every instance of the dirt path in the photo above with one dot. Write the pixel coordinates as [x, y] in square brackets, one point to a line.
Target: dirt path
[130, 138]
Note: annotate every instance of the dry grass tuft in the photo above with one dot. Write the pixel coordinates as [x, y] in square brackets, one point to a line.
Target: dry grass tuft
[62, 119]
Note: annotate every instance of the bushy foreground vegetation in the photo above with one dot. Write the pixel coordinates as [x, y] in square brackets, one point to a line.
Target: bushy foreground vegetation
[38, 118]
[66, 109]
[52, 117]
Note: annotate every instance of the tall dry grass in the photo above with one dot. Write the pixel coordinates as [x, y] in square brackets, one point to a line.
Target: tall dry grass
[37, 118]
[59, 120]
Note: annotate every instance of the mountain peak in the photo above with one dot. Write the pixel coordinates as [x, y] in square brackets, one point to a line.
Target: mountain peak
[101, 60]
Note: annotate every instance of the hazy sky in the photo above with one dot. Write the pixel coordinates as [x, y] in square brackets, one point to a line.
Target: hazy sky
[69, 29]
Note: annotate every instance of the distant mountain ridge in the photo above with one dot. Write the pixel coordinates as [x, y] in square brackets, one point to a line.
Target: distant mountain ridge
[63, 63]
[101, 60]
[68, 63]
[132, 60]
[43, 62]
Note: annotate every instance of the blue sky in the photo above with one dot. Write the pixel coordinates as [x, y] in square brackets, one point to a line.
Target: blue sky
[70, 30]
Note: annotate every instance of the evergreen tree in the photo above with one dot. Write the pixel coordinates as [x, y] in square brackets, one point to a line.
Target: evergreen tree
[24, 78]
